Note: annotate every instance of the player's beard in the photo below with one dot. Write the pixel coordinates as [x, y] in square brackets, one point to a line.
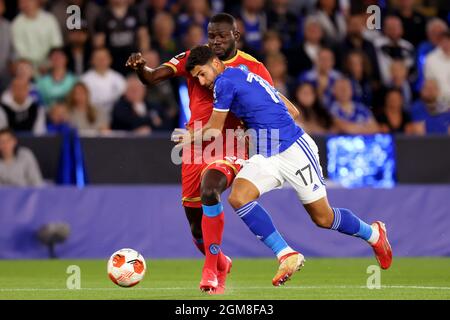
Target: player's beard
[216, 73]
[226, 55]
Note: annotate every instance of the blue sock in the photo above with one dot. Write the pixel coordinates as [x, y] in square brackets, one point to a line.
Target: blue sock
[346, 222]
[260, 223]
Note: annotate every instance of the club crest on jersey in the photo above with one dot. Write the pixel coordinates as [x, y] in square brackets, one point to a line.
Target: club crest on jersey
[243, 67]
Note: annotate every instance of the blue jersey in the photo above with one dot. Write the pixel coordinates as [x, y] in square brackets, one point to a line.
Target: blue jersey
[361, 114]
[253, 100]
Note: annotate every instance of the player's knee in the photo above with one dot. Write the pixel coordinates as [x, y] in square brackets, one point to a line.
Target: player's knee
[237, 200]
[210, 196]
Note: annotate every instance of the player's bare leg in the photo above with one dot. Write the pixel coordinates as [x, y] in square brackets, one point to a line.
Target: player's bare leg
[217, 265]
[194, 217]
[344, 221]
[320, 213]
[242, 198]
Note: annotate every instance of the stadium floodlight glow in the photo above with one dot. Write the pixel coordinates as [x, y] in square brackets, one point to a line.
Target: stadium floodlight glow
[185, 114]
[361, 161]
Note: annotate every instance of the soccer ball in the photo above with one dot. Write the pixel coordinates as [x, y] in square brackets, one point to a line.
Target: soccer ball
[126, 267]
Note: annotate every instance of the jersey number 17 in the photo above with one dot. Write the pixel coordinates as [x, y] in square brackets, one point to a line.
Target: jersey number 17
[269, 89]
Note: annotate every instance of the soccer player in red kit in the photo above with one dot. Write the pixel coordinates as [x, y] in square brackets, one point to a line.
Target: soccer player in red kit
[202, 183]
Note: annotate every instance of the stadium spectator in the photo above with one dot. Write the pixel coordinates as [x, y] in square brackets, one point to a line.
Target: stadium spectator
[7, 54]
[271, 44]
[301, 57]
[195, 35]
[254, 21]
[241, 43]
[355, 40]
[350, 117]
[58, 118]
[78, 50]
[435, 31]
[391, 46]
[399, 80]
[23, 70]
[19, 111]
[323, 76]
[429, 114]
[437, 66]
[83, 115]
[277, 66]
[131, 112]
[196, 12]
[58, 83]
[35, 32]
[358, 73]
[89, 13]
[286, 23]
[18, 166]
[163, 39]
[314, 118]
[161, 98]
[106, 84]
[394, 119]
[413, 22]
[153, 7]
[332, 21]
[435, 124]
[305, 7]
[122, 29]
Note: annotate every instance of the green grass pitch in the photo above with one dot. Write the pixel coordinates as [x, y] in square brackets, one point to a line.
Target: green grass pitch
[408, 278]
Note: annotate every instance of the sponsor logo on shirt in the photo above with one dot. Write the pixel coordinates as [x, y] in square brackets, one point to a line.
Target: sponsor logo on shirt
[174, 61]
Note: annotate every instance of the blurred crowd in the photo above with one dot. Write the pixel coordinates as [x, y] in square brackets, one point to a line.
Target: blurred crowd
[343, 76]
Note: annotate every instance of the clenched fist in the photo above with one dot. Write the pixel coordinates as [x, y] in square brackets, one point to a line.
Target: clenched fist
[136, 61]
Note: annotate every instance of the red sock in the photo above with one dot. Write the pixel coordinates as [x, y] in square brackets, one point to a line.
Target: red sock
[222, 261]
[212, 228]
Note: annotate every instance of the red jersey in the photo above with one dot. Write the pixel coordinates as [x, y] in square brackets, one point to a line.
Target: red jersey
[201, 98]
[201, 105]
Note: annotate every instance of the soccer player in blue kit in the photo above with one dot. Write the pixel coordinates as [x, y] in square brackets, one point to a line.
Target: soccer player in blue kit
[284, 153]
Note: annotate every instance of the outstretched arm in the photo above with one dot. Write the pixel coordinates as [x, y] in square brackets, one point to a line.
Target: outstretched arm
[148, 75]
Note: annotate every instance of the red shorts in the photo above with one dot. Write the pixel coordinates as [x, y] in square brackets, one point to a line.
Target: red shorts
[191, 178]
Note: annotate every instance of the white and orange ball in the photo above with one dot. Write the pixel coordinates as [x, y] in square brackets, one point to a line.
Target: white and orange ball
[126, 267]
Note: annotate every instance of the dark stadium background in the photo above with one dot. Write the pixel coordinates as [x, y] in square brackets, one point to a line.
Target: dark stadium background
[107, 169]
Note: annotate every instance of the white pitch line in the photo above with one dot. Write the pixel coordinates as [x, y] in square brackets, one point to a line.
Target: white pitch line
[231, 288]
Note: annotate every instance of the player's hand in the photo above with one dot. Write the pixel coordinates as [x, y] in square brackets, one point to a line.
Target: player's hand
[181, 136]
[136, 61]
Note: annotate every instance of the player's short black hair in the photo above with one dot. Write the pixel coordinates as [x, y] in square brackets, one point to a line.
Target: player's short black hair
[223, 18]
[199, 56]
